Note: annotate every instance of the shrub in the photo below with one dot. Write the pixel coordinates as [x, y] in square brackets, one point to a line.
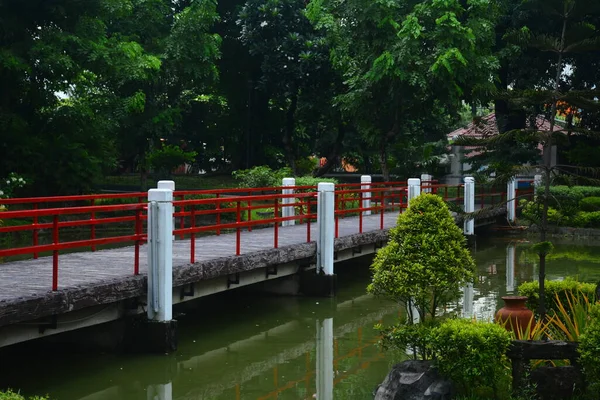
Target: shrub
[587, 219]
[312, 181]
[10, 395]
[261, 176]
[169, 157]
[532, 211]
[470, 353]
[426, 261]
[589, 350]
[552, 289]
[590, 204]
[568, 197]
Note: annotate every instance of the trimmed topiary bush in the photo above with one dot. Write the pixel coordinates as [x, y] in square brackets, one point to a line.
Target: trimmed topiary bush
[470, 353]
[426, 261]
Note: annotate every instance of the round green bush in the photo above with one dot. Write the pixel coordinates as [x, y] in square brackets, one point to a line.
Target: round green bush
[590, 204]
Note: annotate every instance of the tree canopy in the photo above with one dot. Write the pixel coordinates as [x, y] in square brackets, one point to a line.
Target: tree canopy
[97, 87]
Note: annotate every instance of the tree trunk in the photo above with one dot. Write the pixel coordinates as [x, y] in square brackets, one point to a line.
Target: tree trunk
[290, 123]
[334, 157]
[548, 172]
[383, 161]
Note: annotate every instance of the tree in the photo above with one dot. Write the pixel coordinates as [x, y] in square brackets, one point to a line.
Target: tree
[407, 65]
[425, 262]
[566, 43]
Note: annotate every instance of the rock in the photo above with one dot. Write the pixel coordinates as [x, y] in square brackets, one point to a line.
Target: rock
[414, 380]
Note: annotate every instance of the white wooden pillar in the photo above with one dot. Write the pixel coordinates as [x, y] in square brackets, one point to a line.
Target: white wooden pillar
[365, 184]
[160, 254]
[469, 205]
[287, 208]
[414, 188]
[325, 373]
[326, 224]
[511, 204]
[426, 180]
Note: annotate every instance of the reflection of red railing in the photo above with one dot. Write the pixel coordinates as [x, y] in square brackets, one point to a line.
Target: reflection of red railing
[310, 371]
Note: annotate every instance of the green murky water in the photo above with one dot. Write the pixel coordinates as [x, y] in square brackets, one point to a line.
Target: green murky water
[239, 346]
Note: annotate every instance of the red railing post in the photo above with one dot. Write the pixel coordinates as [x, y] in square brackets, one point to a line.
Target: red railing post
[182, 218]
[238, 233]
[218, 209]
[382, 208]
[308, 219]
[55, 253]
[193, 234]
[276, 231]
[360, 212]
[93, 226]
[35, 231]
[250, 215]
[138, 233]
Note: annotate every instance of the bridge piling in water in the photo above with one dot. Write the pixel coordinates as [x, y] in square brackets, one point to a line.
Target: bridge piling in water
[469, 205]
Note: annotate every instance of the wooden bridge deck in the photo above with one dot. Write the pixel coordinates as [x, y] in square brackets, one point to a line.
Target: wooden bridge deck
[80, 274]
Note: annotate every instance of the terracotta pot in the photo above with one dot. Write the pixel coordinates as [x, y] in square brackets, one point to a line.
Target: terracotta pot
[514, 315]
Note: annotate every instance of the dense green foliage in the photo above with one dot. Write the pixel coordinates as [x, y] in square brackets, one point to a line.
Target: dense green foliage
[575, 206]
[425, 262]
[553, 288]
[470, 353]
[589, 350]
[10, 395]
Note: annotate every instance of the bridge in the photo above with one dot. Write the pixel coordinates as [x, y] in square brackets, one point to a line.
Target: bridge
[218, 240]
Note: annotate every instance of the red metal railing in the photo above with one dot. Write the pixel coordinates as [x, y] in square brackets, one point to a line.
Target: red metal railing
[201, 212]
[57, 218]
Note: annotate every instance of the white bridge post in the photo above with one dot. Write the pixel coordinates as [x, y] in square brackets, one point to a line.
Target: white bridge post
[160, 254]
[171, 186]
[287, 208]
[511, 204]
[427, 179]
[326, 224]
[365, 184]
[469, 205]
[414, 188]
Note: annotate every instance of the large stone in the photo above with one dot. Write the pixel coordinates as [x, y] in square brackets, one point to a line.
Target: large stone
[414, 380]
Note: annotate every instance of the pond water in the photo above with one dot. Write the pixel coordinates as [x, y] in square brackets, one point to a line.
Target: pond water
[240, 346]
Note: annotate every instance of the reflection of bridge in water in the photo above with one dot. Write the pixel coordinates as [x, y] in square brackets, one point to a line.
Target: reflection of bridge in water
[312, 368]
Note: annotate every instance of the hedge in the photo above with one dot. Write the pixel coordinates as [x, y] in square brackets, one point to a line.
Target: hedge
[551, 289]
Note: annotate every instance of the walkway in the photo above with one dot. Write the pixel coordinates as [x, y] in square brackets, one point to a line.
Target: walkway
[24, 285]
